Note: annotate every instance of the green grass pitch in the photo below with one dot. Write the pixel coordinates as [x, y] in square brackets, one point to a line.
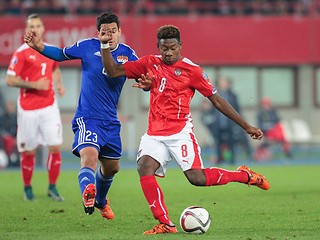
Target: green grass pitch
[289, 210]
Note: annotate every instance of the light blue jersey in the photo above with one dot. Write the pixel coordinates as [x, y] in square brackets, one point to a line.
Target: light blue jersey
[99, 94]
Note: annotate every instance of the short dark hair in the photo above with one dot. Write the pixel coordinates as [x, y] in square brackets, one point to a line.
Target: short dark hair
[33, 16]
[167, 32]
[107, 17]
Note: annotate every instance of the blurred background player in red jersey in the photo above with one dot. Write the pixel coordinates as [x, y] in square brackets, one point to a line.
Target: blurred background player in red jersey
[172, 81]
[39, 121]
[270, 123]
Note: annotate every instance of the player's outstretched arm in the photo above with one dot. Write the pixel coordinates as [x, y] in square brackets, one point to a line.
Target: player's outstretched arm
[224, 107]
[35, 42]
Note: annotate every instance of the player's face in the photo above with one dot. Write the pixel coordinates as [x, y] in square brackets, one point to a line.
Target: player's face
[115, 32]
[169, 50]
[35, 24]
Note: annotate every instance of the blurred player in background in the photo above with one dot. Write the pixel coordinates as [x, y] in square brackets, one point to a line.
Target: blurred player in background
[170, 130]
[95, 125]
[39, 121]
[270, 123]
[226, 133]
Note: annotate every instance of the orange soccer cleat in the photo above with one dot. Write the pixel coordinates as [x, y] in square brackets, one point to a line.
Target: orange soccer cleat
[106, 211]
[255, 179]
[162, 228]
[88, 198]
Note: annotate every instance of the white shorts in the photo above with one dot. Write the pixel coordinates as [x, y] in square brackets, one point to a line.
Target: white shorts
[182, 147]
[39, 127]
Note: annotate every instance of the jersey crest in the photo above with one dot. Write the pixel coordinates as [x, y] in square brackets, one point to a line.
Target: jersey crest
[178, 72]
[122, 58]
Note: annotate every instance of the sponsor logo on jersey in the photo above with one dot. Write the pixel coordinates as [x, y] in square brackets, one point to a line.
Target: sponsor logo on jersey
[97, 54]
[122, 58]
[33, 57]
[177, 72]
[156, 66]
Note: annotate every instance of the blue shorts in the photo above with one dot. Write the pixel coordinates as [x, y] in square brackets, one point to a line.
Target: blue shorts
[101, 134]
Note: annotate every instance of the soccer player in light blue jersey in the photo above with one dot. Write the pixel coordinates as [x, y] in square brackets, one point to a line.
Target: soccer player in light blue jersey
[95, 125]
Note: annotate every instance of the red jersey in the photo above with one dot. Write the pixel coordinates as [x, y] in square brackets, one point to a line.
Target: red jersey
[30, 66]
[171, 91]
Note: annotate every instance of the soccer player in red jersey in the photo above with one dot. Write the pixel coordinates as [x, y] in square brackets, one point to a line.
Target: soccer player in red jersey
[39, 121]
[172, 81]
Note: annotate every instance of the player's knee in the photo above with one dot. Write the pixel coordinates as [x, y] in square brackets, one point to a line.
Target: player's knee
[196, 177]
[109, 167]
[54, 149]
[115, 170]
[30, 153]
[110, 171]
[147, 166]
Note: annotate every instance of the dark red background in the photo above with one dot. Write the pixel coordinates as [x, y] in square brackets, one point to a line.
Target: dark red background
[207, 40]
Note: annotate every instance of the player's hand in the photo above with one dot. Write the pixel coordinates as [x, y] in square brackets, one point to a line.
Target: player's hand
[33, 40]
[60, 90]
[255, 133]
[42, 84]
[105, 35]
[144, 82]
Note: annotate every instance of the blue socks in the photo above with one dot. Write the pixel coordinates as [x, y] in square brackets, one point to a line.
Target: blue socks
[85, 177]
[103, 184]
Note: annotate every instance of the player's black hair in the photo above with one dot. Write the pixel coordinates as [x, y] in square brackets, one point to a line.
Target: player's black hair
[107, 17]
[167, 32]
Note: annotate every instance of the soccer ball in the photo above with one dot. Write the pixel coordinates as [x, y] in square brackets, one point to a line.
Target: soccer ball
[195, 219]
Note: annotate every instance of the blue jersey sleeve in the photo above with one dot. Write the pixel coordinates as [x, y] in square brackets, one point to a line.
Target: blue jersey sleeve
[77, 50]
[54, 53]
[133, 56]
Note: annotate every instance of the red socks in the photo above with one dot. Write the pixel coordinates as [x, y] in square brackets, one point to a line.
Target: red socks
[155, 198]
[53, 167]
[218, 176]
[27, 166]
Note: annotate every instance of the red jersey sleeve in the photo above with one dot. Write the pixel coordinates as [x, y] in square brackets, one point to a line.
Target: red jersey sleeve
[16, 64]
[134, 69]
[202, 83]
[31, 66]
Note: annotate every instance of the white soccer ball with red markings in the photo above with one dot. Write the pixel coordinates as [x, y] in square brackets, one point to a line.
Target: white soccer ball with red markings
[195, 219]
